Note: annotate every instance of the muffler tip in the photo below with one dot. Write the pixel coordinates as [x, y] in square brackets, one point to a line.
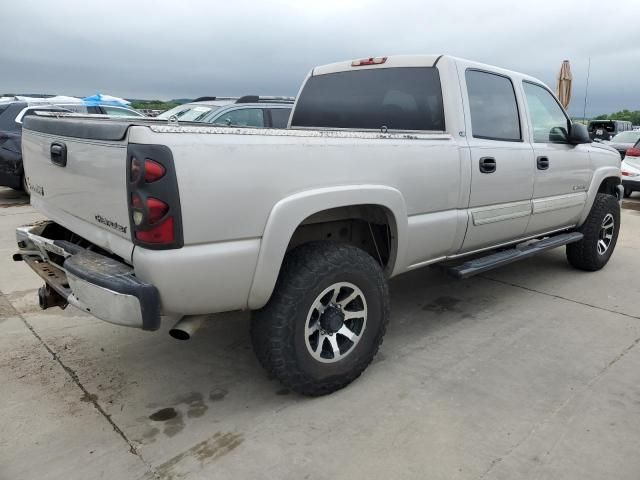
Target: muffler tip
[187, 326]
[179, 334]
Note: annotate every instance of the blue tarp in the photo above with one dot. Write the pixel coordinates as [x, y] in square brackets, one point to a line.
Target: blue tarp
[99, 99]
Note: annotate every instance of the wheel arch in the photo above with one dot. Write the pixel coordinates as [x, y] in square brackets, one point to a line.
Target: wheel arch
[604, 180]
[291, 212]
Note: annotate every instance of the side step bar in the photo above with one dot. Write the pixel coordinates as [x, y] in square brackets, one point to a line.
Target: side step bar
[483, 264]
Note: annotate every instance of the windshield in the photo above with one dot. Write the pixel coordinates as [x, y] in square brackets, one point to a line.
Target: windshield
[626, 137]
[189, 112]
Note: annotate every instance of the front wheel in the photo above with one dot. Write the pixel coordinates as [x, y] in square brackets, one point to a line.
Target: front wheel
[600, 231]
[325, 320]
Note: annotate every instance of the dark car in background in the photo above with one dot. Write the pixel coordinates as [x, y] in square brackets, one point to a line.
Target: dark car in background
[13, 113]
[607, 129]
[11, 116]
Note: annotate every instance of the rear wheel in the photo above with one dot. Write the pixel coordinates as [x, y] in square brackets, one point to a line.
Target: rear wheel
[627, 192]
[325, 320]
[600, 235]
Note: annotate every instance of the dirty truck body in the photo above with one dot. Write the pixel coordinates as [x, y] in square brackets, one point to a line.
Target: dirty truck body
[389, 164]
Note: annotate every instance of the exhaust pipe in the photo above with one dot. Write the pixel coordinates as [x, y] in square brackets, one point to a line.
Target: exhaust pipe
[187, 326]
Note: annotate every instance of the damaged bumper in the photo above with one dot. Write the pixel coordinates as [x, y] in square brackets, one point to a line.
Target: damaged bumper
[102, 286]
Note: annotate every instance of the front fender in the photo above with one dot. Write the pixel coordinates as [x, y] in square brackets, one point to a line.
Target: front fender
[598, 176]
[291, 211]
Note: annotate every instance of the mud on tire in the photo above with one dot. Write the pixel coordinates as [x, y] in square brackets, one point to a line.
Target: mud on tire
[320, 287]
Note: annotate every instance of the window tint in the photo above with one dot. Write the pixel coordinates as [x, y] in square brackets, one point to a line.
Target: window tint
[246, 117]
[8, 117]
[550, 124]
[396, 98]
[494, 111]
[280, 117]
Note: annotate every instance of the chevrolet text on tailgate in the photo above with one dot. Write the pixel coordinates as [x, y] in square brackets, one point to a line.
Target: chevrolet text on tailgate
[389, 164]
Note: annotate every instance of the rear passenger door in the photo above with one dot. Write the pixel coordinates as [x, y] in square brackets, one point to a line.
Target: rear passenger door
[563, 171]
[502, 168]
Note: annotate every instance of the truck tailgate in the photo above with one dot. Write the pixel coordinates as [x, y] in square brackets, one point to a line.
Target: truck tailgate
[86, 191]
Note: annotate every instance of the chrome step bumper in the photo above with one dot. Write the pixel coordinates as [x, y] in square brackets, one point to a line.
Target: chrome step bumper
[102, 286]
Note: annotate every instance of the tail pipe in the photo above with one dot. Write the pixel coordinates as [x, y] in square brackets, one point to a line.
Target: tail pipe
[187, 326]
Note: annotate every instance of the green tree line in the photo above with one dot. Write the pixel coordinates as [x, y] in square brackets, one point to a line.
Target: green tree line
[628, 115]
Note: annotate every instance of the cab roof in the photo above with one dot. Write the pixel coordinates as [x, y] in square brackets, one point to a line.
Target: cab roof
[398, 61]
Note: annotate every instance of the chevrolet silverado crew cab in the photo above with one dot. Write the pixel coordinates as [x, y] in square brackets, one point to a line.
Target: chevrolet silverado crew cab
[388, 164]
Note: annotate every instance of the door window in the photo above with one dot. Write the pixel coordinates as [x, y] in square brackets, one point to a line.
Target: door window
[493, 106]
[246, 117]
[550, 124]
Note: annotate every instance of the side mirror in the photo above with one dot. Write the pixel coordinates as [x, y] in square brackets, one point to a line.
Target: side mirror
[578, 134]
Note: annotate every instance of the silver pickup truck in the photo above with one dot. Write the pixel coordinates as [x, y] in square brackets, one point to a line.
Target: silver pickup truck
[389, 164]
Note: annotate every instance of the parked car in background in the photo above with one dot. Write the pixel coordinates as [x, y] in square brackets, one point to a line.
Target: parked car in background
[12, 115]
[607, 129]
[631, 170]
[623, 141]
[247, 111]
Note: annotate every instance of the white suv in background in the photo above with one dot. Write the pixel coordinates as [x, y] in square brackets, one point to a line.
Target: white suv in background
[247, 111]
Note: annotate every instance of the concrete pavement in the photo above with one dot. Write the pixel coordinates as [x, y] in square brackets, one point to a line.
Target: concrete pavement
[529, 371]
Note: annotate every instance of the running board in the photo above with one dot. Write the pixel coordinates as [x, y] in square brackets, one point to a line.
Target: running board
[483, 264]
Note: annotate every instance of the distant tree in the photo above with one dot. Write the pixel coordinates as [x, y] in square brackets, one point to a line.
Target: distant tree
[626, 115]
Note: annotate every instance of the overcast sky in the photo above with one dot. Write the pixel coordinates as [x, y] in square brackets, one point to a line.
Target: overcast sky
[188, 48]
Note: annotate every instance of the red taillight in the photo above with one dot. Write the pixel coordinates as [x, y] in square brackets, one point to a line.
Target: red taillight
[633, 152]
[157, 209]
[625, 174]
[154, 199]
[152, 171]
[161, 234]
[369, 61]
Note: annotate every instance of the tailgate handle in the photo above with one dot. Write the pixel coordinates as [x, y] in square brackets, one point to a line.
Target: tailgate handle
[58, 154]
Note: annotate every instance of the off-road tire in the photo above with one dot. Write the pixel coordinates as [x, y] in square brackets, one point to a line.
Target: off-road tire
[584, 254]
[278, 329]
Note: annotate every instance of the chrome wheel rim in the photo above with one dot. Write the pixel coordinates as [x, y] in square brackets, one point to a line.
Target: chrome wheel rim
[605, 236]
[336, 322]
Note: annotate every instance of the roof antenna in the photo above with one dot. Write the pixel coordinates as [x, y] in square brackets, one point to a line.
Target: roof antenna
[586, 92]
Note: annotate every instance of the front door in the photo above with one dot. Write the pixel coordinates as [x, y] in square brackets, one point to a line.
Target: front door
[501, 163]
[562, 171]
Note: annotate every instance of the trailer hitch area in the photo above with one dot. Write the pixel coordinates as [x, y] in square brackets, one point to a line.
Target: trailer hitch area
[48, 298]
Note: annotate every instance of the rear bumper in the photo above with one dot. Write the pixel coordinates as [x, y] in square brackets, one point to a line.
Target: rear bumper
[102, 286]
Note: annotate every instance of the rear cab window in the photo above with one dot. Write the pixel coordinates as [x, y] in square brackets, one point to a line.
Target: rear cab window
[402, 98]
[493, 106]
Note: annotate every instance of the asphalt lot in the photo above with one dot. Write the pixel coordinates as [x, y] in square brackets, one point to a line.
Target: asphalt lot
[530, 371]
